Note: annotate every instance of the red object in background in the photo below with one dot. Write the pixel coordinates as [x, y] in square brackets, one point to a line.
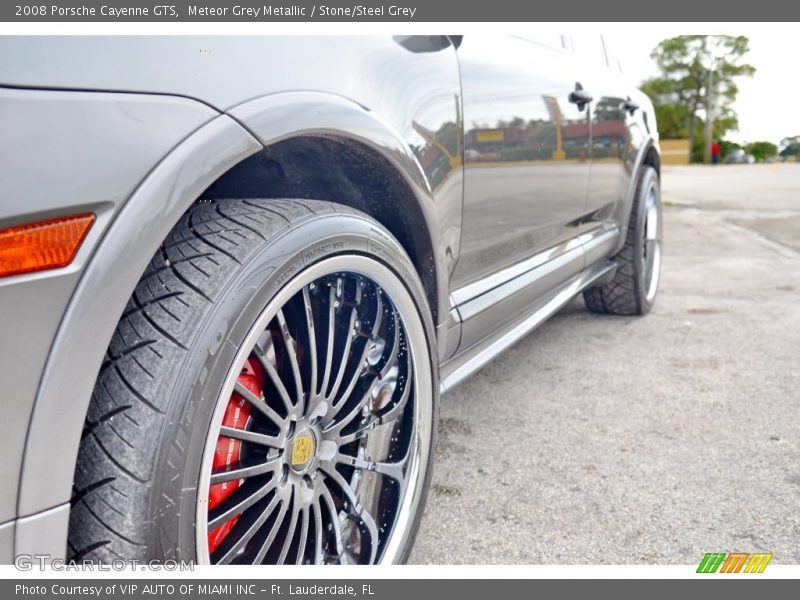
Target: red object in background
[716, 149]
[228, 450]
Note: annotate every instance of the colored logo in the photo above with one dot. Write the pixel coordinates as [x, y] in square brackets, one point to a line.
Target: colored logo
[734, 562]
[302, 449]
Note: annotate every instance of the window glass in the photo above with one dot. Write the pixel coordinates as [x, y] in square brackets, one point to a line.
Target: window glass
[613, 54]
[556, 41]
[591, 48]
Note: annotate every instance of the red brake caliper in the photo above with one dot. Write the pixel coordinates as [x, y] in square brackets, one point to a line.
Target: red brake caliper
[228, 450]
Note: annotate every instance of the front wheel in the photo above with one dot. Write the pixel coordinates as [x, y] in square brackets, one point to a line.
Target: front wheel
[269, 397]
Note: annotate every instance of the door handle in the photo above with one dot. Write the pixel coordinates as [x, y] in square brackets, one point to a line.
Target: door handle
[630, 106]
[580, 96]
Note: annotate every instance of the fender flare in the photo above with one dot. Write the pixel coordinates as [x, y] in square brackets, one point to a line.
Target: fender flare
[100, 297]
[142, 224]
[277, 117]
[625, 215]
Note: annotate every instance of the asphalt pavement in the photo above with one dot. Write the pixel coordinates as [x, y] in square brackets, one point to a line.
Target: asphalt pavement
[615, 440]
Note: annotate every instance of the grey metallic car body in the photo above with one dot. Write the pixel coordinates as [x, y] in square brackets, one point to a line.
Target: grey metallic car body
[135, 130]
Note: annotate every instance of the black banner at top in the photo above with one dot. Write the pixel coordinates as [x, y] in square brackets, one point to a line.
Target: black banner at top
[408, 11]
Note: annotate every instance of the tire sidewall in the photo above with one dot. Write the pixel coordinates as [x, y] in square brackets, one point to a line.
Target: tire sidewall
[200, 377]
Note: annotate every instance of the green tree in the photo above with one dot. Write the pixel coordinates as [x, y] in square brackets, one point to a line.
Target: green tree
[682, 90]
[726, 147]
[673, 121]
[609, 109]
[762, 150]
[790, 146]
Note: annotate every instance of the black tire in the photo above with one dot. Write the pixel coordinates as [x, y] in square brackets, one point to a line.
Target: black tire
[138, 466]
[633, 288]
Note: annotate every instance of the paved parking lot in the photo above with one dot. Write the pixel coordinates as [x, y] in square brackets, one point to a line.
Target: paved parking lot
[644, 440]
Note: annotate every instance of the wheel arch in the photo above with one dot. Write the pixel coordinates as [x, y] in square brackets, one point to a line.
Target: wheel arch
[204, 164]
[346, 171]
[99, 299]
[345, 152]
[649, 156]
[652, 158]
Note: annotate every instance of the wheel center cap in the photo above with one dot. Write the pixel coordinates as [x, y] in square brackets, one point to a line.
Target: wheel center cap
[304, 446]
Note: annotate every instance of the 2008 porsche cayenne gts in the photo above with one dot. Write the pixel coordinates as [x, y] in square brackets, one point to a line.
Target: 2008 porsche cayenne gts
[236, 274]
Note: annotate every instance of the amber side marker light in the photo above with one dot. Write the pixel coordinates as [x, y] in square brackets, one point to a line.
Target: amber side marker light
[45, 245]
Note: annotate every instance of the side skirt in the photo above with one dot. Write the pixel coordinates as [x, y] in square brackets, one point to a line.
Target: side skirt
[467, 362]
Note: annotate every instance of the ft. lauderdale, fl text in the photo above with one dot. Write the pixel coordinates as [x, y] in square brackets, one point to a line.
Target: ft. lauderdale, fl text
[322, 590]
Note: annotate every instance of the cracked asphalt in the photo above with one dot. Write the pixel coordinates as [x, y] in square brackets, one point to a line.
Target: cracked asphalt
[614, 440]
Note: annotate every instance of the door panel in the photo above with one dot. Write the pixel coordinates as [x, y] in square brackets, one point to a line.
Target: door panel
[610, 172]
[613, 154]
[526, 151]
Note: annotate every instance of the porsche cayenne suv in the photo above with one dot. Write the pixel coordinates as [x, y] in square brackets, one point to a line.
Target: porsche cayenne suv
[236, 274]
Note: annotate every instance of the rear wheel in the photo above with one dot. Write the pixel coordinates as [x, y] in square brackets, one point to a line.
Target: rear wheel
[269, 396]
[633, 289]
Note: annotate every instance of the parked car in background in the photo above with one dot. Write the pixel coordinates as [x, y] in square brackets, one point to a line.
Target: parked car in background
[739, 157]
[237, 273]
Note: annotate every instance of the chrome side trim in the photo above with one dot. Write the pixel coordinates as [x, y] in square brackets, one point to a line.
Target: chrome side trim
[478, 288]
[602, 245]
[599, 236]
[572, 260]
[495, 280]
[534, 269]
[465, 364]
[453, 334]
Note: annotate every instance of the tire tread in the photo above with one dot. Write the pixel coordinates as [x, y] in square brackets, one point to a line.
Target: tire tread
[116, 460]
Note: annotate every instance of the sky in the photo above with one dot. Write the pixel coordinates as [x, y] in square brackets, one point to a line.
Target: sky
[767, 102]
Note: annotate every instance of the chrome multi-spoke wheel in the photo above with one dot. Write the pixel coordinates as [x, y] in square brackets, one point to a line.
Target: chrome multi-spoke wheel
[319, 440]
[269, 396]
[651, 247]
